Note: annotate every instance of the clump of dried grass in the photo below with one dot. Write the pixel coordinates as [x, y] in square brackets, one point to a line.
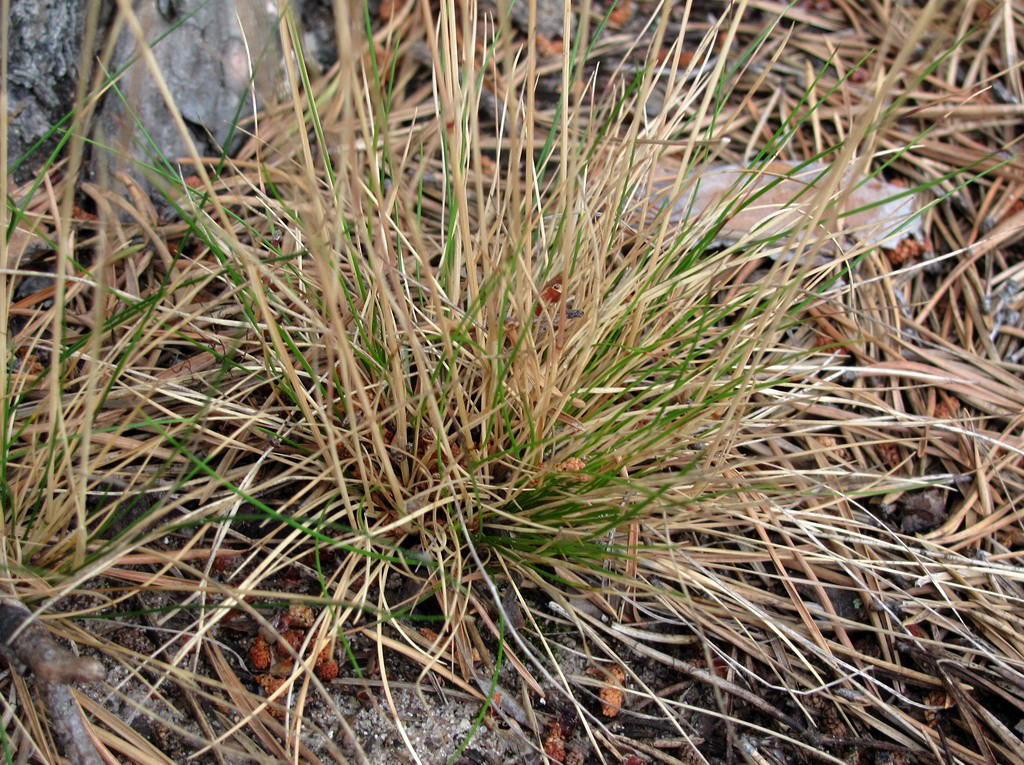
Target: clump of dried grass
[422, 325]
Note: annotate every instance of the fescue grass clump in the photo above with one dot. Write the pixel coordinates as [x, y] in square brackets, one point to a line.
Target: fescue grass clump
[447, 359]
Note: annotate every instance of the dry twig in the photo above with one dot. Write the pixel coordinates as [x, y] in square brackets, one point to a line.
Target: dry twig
[30, 649]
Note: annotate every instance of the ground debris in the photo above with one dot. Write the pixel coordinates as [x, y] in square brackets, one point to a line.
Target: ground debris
[769, 200]
[29, 648]
[920, 511]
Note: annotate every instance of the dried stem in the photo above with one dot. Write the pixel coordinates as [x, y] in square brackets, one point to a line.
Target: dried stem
[30, 649]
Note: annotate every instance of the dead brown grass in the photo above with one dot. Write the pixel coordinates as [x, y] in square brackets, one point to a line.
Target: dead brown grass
[790, 485]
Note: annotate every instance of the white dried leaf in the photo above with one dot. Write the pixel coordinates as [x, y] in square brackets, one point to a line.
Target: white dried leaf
[764, 202]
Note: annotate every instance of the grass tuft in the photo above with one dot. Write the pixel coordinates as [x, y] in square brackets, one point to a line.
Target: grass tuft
[454, 375]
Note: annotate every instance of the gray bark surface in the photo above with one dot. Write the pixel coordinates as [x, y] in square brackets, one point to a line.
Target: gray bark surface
[44, 52]
[203, 51]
